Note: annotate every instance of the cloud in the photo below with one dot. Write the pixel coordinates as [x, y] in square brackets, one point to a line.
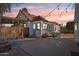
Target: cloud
[54, 17]
[41, 5]
[30, 7]
[12, 14]
[65, 16]
[14, 11]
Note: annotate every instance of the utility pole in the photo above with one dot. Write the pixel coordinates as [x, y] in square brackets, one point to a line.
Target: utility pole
[1, 37]
[76, 18]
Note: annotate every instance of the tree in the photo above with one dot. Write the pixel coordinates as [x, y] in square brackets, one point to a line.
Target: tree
[4, 7]
[70, 26]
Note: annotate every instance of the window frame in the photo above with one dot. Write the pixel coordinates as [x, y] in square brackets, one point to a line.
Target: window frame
[34, 26]
[45, 26]
[39, 26]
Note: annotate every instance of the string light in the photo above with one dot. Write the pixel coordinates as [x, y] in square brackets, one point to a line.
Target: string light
[66, 10]
[58, 8]
[53, 9]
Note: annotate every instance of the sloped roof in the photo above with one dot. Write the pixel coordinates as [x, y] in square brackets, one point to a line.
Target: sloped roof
[7, 20]
[71, 22]
[33, 18]
[27, 14]
[39, 18]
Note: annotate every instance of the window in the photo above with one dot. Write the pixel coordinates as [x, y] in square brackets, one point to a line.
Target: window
[22, 17]
[44, 26]
[34, 26]
[24, 25]
[75, 26]
[38, 25]
[7, 25]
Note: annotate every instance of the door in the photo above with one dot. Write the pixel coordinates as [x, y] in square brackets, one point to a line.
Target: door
[26, 32]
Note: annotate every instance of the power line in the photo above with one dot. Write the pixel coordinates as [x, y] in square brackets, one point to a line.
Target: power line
[53, 10]
[58, 8]
[68, 7]
[61, 12]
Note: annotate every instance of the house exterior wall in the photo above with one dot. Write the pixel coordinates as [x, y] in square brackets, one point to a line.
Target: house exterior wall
[21, 16]
[37, 32]
[42, 31]
[50, 28]
[56, 28]
[30, 26]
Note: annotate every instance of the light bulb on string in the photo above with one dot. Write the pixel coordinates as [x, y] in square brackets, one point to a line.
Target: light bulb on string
[58, 8]
[66, 10]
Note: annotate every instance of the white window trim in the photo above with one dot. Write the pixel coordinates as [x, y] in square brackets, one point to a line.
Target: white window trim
[38, 25]
[44, 26]
[34, 26]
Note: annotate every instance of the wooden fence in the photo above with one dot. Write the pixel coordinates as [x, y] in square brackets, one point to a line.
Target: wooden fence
[12, 32]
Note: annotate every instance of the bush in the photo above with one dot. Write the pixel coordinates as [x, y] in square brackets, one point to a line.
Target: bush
[44, 35]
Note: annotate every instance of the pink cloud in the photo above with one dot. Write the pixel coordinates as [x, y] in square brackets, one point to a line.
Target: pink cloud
[66, 16]
[40, 5]
[37, 6]
[12, 14]
[14, 11]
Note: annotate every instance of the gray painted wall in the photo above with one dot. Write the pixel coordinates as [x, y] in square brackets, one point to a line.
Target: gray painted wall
[30, 26]
[39, 33]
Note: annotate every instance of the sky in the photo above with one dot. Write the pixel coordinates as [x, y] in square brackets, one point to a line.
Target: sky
[63, 14]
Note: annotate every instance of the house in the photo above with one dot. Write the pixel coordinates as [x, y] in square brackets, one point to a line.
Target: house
[42, 26]
[24, 15]
[37, 25]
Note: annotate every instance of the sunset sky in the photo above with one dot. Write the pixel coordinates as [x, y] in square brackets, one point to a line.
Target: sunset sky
[43, 9]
